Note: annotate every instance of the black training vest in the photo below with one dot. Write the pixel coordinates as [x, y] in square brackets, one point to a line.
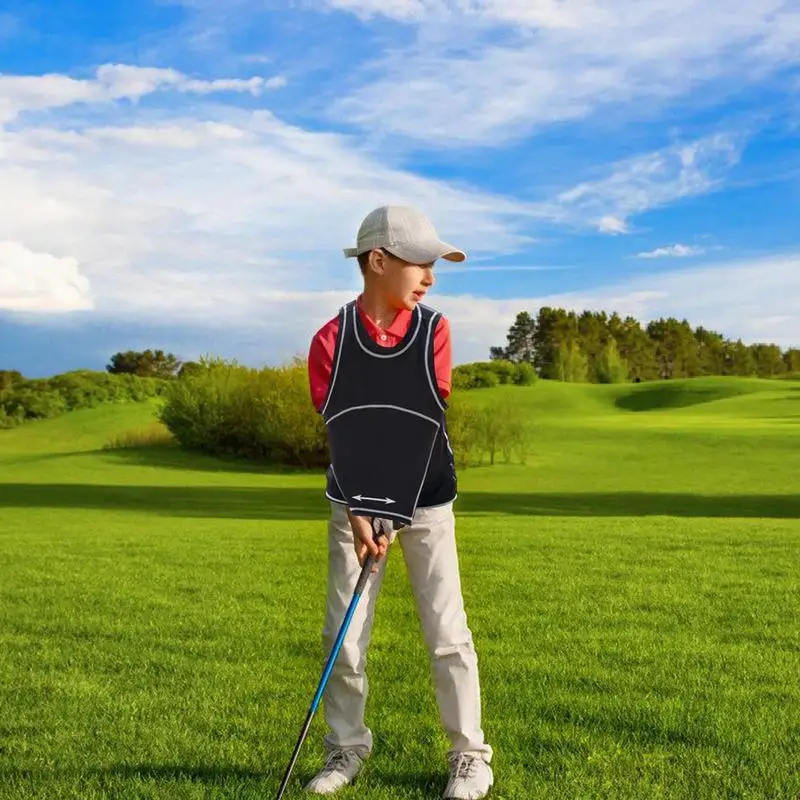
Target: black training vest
[385, 420]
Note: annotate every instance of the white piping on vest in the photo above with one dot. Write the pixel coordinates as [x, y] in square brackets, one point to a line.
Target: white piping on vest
[386, 355]
[378, 405]
[433, 319]
[336, 365]
[333, 472]
[425, 475]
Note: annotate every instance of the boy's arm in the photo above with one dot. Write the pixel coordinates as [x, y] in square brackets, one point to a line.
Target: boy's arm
[443, 356]
[320, 362]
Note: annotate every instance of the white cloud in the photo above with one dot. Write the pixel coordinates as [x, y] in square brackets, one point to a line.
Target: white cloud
[234, 221]
[648, 181]
[210, 217]
[610, 224]
[20, 93]
[34, 282]
[673, 251]
[480, 71]
[253, 85]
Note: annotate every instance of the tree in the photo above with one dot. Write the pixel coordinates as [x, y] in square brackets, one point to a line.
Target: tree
[10, 377]
[571, 363]
[768, 360]
[611, 368]
[792, 360]
[739, 359]
[636, 348]
[190, 368]
[150, 363]
[559, 342]
[710, 351]
[520, 340]
[555, 330]
[594, 335]
[676, 351]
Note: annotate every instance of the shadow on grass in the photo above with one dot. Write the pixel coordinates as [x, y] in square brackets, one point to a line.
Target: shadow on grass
[212, 775]
[289, 503]
[168, 457]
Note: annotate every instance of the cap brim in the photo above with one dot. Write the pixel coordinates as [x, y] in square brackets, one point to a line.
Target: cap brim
[427, 253]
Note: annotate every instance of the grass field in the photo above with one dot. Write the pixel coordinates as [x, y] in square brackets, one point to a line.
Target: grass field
[633, 592]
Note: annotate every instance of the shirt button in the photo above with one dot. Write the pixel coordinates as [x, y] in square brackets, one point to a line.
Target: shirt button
[383, 337]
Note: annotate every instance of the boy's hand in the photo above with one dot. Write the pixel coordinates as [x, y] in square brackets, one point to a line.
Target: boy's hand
[364, 540]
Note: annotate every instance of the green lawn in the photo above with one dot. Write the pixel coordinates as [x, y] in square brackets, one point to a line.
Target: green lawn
[633, 592]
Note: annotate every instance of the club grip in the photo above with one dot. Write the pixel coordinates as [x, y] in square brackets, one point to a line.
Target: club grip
[369, 562]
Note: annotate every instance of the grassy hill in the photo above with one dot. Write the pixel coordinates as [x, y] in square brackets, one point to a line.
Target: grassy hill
[632, 592]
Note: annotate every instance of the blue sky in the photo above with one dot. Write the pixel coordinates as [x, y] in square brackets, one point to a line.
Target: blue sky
[183, 175]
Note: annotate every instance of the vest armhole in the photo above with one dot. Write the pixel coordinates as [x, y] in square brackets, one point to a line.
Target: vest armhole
[337, 354]
[430, 362]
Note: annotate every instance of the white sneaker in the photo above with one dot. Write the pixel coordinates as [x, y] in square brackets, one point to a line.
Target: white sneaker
[339, 770]
[470, 777]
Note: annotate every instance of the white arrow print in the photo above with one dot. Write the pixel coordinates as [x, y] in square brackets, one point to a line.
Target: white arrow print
[360, 497]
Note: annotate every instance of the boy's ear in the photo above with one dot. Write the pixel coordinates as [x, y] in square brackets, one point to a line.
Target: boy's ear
[377, 262]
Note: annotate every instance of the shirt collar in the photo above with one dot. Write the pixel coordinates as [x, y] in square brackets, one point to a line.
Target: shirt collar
[398, 327]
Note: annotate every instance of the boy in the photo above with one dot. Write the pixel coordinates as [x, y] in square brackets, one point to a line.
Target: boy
[379, 374]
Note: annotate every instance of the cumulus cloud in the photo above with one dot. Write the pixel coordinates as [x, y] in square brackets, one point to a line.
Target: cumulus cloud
[34, 282]
[210, 213]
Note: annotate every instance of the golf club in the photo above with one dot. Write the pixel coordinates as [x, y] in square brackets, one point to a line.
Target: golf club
[362, 582]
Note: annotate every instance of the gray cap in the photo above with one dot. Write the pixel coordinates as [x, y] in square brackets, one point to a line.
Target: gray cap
[406, 233]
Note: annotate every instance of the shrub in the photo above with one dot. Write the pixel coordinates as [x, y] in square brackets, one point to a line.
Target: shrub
[485, 374]
[42, 398]
[38, 403]
[225, 408]
[492, 430]
[525, 374]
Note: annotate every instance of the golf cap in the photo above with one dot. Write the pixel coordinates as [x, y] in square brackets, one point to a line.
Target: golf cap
[406, 233]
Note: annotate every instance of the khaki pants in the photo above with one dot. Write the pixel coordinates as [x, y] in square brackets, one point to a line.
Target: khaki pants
[429, 550]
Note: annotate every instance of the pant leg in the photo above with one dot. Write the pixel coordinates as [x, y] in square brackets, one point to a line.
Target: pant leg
[429, 550]
[346, 693]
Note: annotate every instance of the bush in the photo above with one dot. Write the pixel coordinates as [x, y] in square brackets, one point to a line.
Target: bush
[227, 409]
[37, 403]
[42, 398]
[525, 374]
[497, 429]
[485, 374]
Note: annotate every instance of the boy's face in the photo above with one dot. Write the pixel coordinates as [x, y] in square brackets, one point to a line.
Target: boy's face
[402, 284]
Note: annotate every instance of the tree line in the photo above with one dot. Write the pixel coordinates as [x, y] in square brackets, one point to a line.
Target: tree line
[598, 347]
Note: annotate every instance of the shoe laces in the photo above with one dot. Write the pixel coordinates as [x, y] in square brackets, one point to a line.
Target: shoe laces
[338, 759]
[464, 766]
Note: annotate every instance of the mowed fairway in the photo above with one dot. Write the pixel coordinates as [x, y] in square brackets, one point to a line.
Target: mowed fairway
[633, 592]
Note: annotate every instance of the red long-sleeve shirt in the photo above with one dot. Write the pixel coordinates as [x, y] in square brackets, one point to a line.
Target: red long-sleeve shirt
[320, 354]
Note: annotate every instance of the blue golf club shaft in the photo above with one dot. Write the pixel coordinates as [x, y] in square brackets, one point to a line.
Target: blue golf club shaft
[362, 581]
